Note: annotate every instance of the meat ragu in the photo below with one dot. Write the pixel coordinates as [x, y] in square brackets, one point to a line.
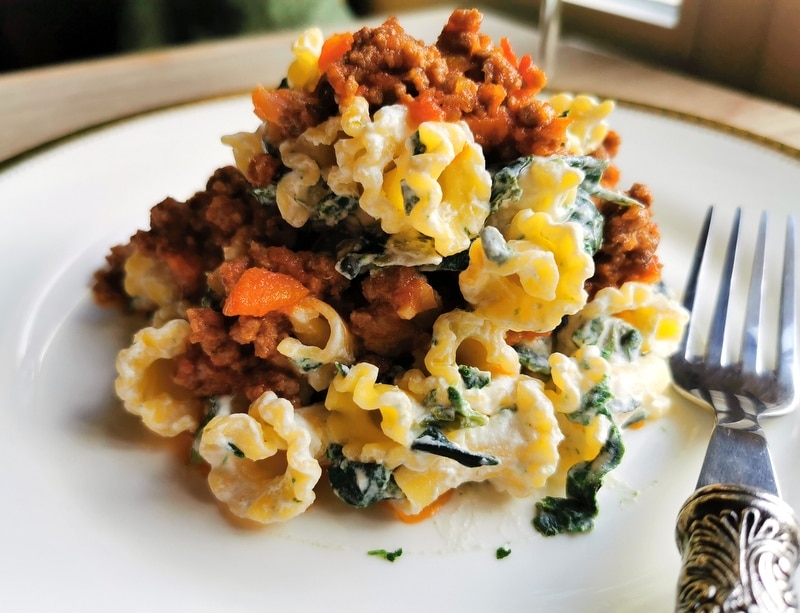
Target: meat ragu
[415, 245]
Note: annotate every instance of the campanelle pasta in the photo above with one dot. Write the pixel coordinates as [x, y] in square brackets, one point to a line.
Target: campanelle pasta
[413, 279]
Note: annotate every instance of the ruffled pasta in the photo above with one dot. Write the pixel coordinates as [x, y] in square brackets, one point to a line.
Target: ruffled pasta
[370, 151]
[149, 282]
[547, 185]
[589, 127]
[440, 183]
[303, 73]
[532, 280]
[572, 381]
[144, 380]
[264, 463]
[365, 412]
[657, 318]
[321, 339]
[309, 158]
[461, 338]
[522, 433]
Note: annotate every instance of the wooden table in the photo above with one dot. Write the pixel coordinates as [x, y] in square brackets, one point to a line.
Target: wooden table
[42, 105]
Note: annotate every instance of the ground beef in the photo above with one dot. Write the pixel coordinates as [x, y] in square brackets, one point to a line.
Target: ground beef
[192, 236]
[230, 355]
[401, 306]
[630, 240]
[463, 76]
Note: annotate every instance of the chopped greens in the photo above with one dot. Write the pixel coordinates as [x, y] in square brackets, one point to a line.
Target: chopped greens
[506, 189]
[359, 484]
[432, 440]
[455, 413]
[235, 450]
[389, 556]
[474, 377]
[333, 208]
[410, 198]
[266, 195]
[613, 335]
[418, 147]
[594, 402]
[502, 552]
[534, 355]
[456, 262]
[505, 183]
[577, 510]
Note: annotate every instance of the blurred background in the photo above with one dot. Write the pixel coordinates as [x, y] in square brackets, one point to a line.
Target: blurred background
[750, 45]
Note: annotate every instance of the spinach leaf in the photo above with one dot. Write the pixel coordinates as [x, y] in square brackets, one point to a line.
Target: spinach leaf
[359, 484]
[586, 215]
[505, 183]
[593, 169]
[432, 440]
[456, 262]
[577, 510]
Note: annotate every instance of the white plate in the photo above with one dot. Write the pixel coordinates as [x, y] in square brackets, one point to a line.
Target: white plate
[99, 516]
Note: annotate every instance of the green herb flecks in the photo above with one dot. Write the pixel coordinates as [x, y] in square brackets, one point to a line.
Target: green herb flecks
[235, 450]
[389, 556]
[417, 146]
[307, 365]
[502, 552]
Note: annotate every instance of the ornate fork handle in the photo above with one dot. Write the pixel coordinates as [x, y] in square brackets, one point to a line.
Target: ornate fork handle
[740, 548]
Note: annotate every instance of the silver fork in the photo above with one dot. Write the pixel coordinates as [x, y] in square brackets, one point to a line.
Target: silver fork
[739, 541]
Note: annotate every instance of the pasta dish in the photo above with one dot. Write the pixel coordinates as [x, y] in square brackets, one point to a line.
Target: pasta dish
[417, 272]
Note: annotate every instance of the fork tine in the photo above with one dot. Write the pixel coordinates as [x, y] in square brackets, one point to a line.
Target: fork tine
[690, 291]
[751, 353]
[716, 338]
[787, 319]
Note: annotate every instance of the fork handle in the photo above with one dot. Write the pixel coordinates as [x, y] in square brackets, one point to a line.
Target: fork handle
[740, 548]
